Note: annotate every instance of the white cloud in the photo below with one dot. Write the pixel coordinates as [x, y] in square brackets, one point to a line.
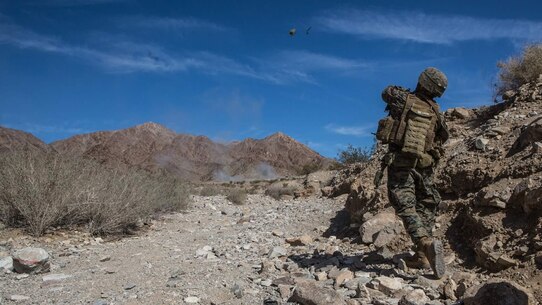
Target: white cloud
[427, 28]
[358, 131]
[288, 66]
[309, 61]
[168, 23]
[119, 56]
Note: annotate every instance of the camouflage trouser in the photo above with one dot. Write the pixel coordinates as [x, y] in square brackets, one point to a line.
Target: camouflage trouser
[414, 198]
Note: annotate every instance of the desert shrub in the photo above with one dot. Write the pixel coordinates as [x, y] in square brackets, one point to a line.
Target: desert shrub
[208, 191]
[41, 190]
[123, 198]
[237, 196]
[335, 165]
[353, 154]
[520, 70]
[276, 191]
[309, 168]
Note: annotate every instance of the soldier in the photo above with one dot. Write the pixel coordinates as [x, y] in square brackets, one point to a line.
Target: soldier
[415, 131]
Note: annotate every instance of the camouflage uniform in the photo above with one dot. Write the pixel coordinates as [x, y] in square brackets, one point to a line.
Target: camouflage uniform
[410, 186]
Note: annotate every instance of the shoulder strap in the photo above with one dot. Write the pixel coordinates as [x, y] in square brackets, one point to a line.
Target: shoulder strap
[402, 123]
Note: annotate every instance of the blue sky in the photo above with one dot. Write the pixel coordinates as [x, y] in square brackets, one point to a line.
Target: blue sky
[229, 70]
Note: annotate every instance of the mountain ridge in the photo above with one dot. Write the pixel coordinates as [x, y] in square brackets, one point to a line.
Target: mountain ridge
[152, 146]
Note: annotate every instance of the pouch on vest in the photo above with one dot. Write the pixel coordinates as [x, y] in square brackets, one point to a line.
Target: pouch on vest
[416, 128]
[386, 129]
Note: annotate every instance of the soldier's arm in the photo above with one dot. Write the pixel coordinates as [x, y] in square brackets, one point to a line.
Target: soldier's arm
[443, 132]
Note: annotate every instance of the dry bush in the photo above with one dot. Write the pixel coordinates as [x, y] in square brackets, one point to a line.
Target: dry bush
[351, 155]
[237, 196]
[121, 199]
[208, 191]
[39, 190]
[276, 191]
[309, 168]
[519, 70]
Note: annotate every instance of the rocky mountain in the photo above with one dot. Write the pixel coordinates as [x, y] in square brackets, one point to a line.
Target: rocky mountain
[152, 146]
[12, 139]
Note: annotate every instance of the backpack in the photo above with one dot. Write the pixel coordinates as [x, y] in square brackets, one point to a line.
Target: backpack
[414, 131]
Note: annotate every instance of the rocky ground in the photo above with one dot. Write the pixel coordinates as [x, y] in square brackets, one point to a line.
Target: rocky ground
[263, 252]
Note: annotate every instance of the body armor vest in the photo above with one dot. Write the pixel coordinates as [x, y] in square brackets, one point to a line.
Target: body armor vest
[414, 131]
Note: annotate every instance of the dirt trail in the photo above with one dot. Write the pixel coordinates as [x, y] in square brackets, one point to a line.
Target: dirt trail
[207, 253]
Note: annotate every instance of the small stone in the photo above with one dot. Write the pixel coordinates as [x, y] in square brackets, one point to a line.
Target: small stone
[320, 276]
[31, 260]
[461, 113]
[277, 233]
[237, 290]
[502, 130]
[21, 276]
[100, 302]
[284, 291]
[277, 252]
[54, 278]
[481, 143]
[414, 297]
[266, 283]
[191, 300]
[18, 298]
[129, 286]
[537, 147]
[105, 259]
[342, 277]
[308, 292]
[303, 240]
[6, 263]
[388, 285]
[450, 289]
[401, 264]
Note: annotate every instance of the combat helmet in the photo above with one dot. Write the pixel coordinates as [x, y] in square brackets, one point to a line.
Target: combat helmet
[433, 81]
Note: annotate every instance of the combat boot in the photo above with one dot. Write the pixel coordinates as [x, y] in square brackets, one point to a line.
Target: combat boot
[418, 260]
[434, 252]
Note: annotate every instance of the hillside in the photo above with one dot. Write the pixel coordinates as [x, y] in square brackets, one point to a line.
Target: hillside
[151, 146]
[12, 139]
[491, 183]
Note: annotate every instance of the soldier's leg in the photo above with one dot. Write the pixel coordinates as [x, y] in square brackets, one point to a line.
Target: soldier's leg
[401, 190]
[428, 199]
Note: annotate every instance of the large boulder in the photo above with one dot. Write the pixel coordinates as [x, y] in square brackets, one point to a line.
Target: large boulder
[498, 292]
[381, 229]
[31, 260]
